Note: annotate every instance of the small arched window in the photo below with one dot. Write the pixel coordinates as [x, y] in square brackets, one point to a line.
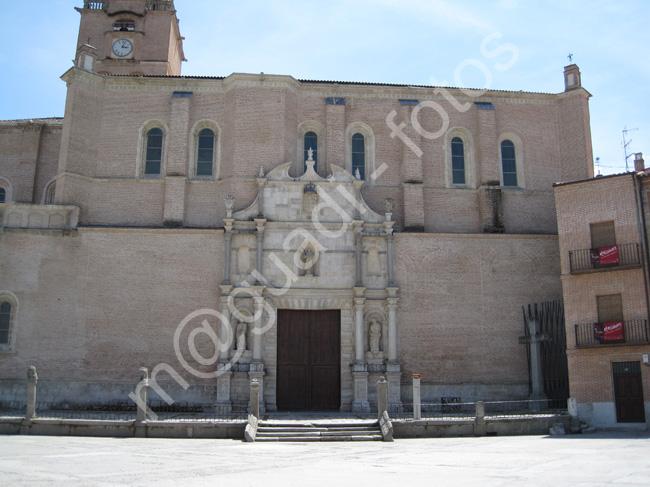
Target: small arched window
[457, 161]
[153, 161]
[50, 191]
[359, 155]
[5, 322]
[205, 153]
[311, 142]
[508, 163]
[3, 195]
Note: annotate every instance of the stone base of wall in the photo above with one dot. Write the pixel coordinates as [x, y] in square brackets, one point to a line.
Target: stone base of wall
[602, 415]
[235, 429]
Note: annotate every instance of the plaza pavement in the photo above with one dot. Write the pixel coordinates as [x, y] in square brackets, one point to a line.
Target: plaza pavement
[595, 459]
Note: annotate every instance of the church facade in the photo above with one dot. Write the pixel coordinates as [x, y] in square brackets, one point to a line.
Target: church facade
[311, 235]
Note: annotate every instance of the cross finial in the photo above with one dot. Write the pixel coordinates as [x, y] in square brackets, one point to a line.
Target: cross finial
[570, 57]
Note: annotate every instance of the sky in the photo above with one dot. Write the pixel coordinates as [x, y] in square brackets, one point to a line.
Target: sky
[500, 44]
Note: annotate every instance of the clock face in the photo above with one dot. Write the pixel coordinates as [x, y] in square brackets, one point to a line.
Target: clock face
[122, 47]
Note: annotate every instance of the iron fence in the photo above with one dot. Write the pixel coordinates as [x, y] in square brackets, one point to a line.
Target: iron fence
[467, 410]
[634, 331]
[585, 259]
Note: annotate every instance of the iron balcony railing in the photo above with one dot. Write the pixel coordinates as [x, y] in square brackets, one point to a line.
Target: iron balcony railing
[605, 257]
[95, 5]
[593, 334]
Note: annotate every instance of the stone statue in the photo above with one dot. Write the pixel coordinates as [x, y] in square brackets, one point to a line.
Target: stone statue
[374, 333]
[308, 256]
[240, 333]
[389, 205]
[31, 374]
[230, 202]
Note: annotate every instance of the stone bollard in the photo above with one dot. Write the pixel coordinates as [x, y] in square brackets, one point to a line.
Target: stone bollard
[572, 407]
[255, 398]
[32, 379]
[142, 395]
[480, 426]
[382, 397]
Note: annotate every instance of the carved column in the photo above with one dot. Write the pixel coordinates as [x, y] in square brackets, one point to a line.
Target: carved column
[358, 228]
[223, 403]
[229, 222]
[393, 369]
[259, 223]
[256, 370]
[388, 230]
[360, 368]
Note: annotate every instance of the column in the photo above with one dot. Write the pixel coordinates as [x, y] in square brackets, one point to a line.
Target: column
[360, 368]
[388, 230]
[223, 404]
[536, 376]
[256, 368]
[393, 368]
[228, 225]
[259, 224]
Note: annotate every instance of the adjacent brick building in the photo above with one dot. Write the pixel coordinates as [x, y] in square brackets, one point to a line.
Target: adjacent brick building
[603, 253]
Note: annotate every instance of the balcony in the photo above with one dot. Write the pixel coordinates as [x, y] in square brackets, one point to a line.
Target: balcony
[95, 5]
[622, 256]
[615, 333]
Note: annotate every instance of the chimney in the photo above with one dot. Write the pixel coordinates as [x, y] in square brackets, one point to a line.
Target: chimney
[572, 77]
[639, 165]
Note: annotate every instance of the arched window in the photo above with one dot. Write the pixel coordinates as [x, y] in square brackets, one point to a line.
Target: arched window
[3, 195]
[311, 142]
[359, 155]
[457, 161]
[5, 323]
[153, 161]
[50, 191]
[508, 163]
[205, 153]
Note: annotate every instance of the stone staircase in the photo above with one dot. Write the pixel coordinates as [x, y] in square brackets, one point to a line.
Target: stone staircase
[303, 431]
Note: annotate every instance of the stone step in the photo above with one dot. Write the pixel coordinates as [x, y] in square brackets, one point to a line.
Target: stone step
[318, 431]
[299, 439]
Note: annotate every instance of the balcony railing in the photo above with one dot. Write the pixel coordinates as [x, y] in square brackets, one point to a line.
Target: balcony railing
[603, 334]
[95, 5]
[605, 257]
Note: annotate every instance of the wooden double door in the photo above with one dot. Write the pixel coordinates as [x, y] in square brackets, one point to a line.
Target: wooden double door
[309, 360]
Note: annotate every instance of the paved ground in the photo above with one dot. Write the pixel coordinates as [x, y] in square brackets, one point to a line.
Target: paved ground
[578, 460]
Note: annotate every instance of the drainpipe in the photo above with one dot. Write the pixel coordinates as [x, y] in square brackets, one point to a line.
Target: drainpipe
[641, 222]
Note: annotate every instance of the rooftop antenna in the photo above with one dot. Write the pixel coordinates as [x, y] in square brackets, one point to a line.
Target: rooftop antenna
[626, 144]
[598, 165]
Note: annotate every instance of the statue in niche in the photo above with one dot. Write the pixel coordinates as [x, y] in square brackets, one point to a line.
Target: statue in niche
[374, 333]
[307, 259]
[389, 204]
[240, 334]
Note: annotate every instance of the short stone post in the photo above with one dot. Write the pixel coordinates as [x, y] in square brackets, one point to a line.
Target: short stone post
[142, 395]
[255, 398]
[572, 407]
[480, 426]
[32, 379]
[382, 397]
[417, 404]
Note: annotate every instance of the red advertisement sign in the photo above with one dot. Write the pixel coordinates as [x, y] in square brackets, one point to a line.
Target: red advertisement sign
[613, 330]
[608, 255]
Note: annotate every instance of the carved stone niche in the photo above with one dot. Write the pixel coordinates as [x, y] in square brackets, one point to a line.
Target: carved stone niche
[309, 262]
[376, 336]
[309, 200]
[242, 321]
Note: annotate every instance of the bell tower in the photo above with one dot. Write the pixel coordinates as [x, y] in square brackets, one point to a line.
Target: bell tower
[130, 37]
